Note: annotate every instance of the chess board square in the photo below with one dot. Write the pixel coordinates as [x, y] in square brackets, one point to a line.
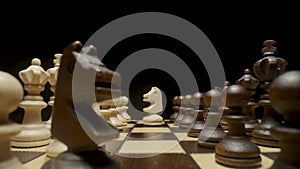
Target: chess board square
[151, 147]
[208, 161]
[151, 136]
[151, 130]
[192, 147]
[159, 161]
[185, 137]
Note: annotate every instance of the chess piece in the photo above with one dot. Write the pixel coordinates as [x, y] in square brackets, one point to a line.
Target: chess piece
[189, 113]
[225, 110]
[175, 109]
[198, 103]
[236, 149]
[178, 101]
[52, 81]
[34, 132]
[266, 69]
[285, 99]
[56, 147]
[74, 121]
[11, 94]
[154, 97]
[124, 108]
[250, 83]
[212, 133]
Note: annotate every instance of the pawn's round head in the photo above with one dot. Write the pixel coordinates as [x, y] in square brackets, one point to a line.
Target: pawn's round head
[284, 95]
[11, 94]
[237, 96]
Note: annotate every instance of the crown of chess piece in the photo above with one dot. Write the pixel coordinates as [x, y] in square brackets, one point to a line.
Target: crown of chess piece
[212, 133]
[266, 69]
[74, 121]
[56, 147]
[250, 83]
[34, 132]
[247, 154]
[285, 99]
[198, 103]
[154, 97]
[11, 94]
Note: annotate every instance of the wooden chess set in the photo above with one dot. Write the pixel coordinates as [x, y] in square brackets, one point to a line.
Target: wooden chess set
[218, 128]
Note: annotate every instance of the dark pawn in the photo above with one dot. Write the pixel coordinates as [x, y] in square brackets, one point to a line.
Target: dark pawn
[198, 103]
[212, 133]
[178, 101]
[285, 99]
[236, 149]
[176, 104]
[189, 115]
[267, 69]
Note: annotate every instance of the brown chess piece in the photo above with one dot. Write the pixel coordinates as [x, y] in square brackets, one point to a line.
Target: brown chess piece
[74, 121]
[11, 95]
[175, 109]
[236, 149]
[198, 103]
[225, 110]
[250, 83]
[285, 99]
[267, 69]
[189, 114]
[212, 133]
[179, 102]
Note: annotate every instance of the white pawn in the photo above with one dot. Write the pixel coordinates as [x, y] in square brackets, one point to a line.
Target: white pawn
[34, 132]
[56, 147]
[124, 108]
[11, 94]
[154, 97]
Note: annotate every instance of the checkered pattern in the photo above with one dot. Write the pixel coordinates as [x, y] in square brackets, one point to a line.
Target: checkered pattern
[139, 146]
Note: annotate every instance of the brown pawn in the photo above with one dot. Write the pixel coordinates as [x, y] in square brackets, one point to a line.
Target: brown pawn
[250, 83]
[267, 69]
[285, 99]
[175, 109]
[225, 110]
[180, 115]
[212, 132]
[236, 149]
[189, 115]
[198, 103]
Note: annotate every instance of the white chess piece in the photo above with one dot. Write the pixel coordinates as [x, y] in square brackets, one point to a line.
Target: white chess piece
[154, 97]
[124, 108]
[34, 132]
[11, 94]
[56, 147]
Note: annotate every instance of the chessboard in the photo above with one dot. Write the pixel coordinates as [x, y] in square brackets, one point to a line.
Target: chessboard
[151, 147]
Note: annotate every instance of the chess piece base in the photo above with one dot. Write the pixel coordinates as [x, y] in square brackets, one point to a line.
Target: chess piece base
[238, 162]
[153, 120]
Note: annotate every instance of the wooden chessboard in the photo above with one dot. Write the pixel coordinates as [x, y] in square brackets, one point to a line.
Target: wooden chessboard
[163, 147]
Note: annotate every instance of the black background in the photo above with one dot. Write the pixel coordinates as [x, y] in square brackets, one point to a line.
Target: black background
[236, 31]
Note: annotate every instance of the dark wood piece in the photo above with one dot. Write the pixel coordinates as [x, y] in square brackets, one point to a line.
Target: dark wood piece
[189, 114]
[198, 103]
[83, 147]
[236, 149]
[250, 83]
[175, 109]
[267, 69]
[180, 115]
[212, 133]
[285, 99]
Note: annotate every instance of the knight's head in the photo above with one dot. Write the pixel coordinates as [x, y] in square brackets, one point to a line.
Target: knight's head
[153, 95]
